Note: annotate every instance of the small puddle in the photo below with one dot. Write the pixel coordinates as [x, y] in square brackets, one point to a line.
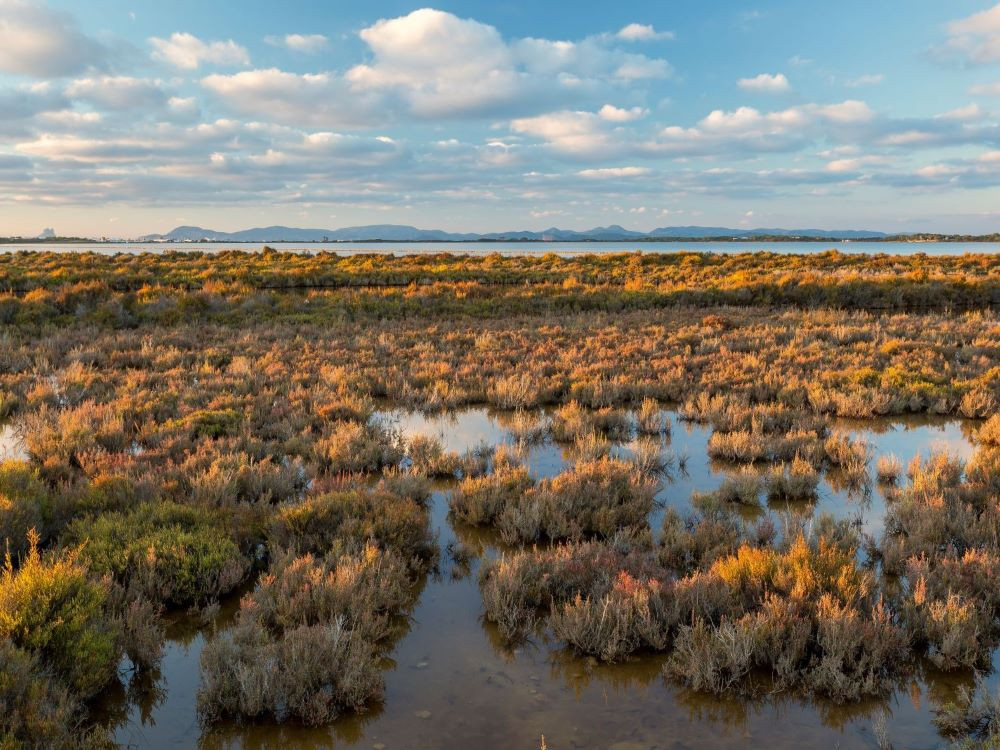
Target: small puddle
[451, 683]
[11, 444]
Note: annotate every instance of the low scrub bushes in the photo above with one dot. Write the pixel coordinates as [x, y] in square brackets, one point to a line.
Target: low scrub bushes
[743, 488]
[54, 611]
[353, 447]
[429, 457]
[24, 504]
[35, 709]
[853, 456]
[805, 612]
[973, 715]
[650, 419]
[483, 500]
[305, 646]
[349, 519]
[796, 481]
[573, 421]
[989, 433]
[517, 588]
[807, 615]
[888, 469]
[594, 498]
[238, 478]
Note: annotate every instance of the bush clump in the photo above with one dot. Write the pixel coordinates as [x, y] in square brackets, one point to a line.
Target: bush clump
[171, 553]
[347, 520]
[24, 504]
[594, 498]
[305, 646]
[52, 609]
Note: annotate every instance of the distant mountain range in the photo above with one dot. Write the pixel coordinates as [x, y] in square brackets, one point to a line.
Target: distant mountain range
[403, 233]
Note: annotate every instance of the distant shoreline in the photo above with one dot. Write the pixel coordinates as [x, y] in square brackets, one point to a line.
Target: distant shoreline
[909, 239]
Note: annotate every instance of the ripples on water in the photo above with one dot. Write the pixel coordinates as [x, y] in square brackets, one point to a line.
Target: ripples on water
[451, 683]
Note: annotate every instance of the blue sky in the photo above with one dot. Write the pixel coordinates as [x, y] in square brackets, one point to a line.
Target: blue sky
[122, 118]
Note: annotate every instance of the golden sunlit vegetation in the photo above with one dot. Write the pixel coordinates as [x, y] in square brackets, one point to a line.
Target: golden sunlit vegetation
[197, 426]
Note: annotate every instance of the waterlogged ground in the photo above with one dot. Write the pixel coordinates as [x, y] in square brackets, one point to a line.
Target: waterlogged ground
[450, 682]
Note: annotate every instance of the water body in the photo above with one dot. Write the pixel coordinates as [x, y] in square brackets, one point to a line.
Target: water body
[451, 683]
[526, 248]
[11, 444]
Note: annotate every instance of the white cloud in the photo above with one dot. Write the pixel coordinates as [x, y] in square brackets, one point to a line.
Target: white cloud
[766, 83]
[744, 131]
[311, 99]
[95, 150]
[985, 89]
[575, 133]
[964, 114]
[305, 43]
[183, 108]
[439, 65]
[854, 164]
[117, 92]
[747, 130]
[977, 37]
[846, 112]
[617, 114]
[868, 79]
[188, 52]
[613, 172]
[40, 42]
[637, 32]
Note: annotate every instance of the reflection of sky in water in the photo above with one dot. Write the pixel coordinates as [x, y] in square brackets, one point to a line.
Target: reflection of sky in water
[904, 437]
[481, 694]
[11, 445]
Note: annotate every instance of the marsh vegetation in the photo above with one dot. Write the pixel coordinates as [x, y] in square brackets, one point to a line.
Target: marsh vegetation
[235, 435]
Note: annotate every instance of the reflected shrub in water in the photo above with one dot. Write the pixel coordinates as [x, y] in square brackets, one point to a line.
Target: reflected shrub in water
[974, 714]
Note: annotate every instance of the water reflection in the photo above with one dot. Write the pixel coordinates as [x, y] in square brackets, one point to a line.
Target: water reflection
[11, 444]
[452, 682]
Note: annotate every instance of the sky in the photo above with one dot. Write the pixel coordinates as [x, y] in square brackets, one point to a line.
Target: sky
[120, 118]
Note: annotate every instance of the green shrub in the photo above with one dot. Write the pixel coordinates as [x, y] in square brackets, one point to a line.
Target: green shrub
[35, 709]
[350, 519]
[172, 553]
[24, 504]
[52, 609]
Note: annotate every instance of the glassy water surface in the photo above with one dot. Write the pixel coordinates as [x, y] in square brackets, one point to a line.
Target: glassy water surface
[451, 683]
[522, 248]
